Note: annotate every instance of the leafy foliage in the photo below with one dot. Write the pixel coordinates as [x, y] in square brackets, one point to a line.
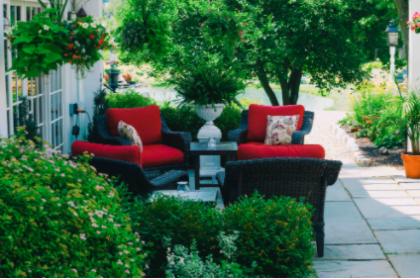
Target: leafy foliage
[272, 236]
[143, 29]
[44, 43]
[184, 264]
[60, 218]
[206, 79]
[169, 221]
[129, 99]
[403, 111]
[275, 233]
[368, 104]
[100, 106]
[22, 117]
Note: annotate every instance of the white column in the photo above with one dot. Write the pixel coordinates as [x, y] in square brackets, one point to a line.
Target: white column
[414, 44]
[3, 105]
[392, 64]
[414, 55]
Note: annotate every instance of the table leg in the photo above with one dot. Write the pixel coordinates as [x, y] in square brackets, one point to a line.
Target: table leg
[197, 172]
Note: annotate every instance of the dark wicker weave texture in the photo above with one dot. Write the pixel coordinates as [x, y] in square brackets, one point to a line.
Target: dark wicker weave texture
[291, 177]
[298, 137]
[178, 140]
[136, 179]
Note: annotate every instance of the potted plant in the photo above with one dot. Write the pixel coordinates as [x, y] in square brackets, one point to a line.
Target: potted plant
[128, 78]
[404, 112]
[207, 83]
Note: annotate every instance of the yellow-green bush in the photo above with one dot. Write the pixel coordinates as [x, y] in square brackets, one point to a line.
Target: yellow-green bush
[59, 218]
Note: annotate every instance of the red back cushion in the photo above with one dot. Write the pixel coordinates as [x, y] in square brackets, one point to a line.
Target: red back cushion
[145, 120]
[257, 150]
[257, 119]
[128, 153]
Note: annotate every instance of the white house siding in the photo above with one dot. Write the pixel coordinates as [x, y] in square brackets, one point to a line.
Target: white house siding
[3, 116]
[59, 90]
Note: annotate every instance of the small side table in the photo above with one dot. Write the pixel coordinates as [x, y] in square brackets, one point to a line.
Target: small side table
[227, 148]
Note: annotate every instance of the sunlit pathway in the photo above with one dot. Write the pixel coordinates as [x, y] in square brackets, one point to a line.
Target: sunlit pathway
[372, 215]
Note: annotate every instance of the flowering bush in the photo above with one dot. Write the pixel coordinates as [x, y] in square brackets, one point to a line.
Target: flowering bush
[368, 103]
[60, 218]
[45, 43]
[415, 24]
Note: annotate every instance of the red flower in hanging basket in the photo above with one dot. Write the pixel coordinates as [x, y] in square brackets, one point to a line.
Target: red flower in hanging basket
[92, 36]
[70, 45]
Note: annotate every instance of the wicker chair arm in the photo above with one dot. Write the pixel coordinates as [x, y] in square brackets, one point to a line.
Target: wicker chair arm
[238, 136]
[298, 137]
[220, 176]
[178, 140]
[106, 136]
[169, 179]
[333, 171]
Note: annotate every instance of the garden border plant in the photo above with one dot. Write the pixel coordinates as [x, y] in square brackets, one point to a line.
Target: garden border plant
[60, 218]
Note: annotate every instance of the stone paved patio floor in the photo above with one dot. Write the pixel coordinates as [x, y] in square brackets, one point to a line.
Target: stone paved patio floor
[372, 221]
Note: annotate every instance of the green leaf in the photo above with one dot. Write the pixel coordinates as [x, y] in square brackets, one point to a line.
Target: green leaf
[52, 57]
[23, 39]
[30, 49]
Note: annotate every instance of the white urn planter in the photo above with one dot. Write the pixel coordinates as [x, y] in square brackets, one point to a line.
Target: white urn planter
[209, 165]
[209, 113]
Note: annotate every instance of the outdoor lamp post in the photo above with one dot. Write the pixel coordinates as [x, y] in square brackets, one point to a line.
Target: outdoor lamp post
[392, 37]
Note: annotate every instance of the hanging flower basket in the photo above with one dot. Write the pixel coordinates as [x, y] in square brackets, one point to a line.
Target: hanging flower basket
[415, 24]
[44, 43]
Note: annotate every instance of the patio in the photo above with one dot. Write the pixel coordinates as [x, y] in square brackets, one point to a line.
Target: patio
[372, 215]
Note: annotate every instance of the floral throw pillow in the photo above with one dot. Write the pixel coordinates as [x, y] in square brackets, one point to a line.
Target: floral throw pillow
[128, 132]
[280, 129]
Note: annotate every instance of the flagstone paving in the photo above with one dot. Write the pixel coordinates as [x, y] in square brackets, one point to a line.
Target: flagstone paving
[372, 215]
[372, 224]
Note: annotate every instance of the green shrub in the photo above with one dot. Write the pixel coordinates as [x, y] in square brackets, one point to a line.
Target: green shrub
[368, 104]
[129, 99]
[60, 218]
[275, 233]
[170, 221]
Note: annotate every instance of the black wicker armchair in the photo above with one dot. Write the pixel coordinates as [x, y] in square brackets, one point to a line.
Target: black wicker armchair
[298, 137]
[178, 140]
[138, 182]
[291, 177]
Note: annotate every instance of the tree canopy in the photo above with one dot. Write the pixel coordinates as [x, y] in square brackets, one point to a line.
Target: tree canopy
[276, 41]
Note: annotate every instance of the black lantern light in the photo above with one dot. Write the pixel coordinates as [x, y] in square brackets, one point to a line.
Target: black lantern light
[392, 32]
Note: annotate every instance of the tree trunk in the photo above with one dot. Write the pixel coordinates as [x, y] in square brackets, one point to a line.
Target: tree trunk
[294, 85]
[284, 90]
[290, 89]
[402, 8]
[262, 76]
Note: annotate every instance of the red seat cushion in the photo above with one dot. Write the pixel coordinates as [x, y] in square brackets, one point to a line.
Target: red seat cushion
[257, 119]
[128, 153]
[257, 150]
[145, 120]
[158, 155]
